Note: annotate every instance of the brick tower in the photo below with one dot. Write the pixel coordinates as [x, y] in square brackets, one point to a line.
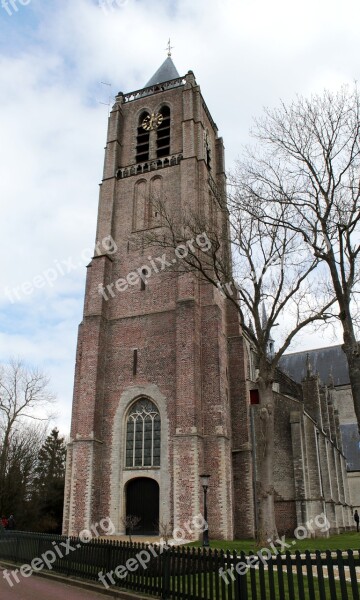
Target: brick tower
[157, 392]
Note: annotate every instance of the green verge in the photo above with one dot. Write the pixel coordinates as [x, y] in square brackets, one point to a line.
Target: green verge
[204, 586]
[344, 541]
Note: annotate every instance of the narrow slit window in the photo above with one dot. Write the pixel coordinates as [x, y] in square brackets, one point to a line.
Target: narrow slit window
[142, 140]
[135, 361]
[208, 156]
[143, 281]
[208, 150]
[163, 134]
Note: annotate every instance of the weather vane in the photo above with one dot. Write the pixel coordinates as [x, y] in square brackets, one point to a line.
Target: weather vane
[169, 47]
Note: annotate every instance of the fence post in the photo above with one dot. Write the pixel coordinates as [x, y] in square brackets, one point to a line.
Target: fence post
[353, 576]
[320, 576]
[330, 575]
[165, 583]
[341, 572]
[241, 590]
[17, 549]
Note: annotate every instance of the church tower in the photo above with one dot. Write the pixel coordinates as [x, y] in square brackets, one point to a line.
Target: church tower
[156, 393]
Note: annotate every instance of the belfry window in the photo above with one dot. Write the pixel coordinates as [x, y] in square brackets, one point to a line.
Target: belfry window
[143, 435]
[163, 134]
[142, 140]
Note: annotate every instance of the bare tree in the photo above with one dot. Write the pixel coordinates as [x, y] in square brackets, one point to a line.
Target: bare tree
[18, 480]
[273, 270]
[165, 530]
[130, 523]
[309, 162]
[24, 391]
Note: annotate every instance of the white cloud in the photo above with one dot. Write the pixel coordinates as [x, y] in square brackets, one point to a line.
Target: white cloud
[245, 54]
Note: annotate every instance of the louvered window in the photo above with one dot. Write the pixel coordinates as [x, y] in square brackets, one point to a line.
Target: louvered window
[142, 140]
[163, 134]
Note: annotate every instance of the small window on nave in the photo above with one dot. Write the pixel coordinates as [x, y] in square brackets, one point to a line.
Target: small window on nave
[143, 429]
[207, 149]
[142, 140]
[163, 134]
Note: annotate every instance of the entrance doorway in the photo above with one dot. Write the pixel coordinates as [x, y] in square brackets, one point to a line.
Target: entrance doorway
[142, 500]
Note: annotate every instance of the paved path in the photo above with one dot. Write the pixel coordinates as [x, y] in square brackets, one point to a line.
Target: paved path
[41, 588]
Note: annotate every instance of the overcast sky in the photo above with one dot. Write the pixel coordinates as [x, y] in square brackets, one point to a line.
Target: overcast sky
[246, 54]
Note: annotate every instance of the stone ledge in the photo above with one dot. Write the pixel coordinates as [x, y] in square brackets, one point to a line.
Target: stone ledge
[148, 166]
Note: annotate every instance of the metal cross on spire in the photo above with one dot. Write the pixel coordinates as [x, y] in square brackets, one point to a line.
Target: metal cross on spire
[169, 47]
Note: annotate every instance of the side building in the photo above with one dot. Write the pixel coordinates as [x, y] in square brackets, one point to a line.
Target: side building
[310, 475]
[330, 366]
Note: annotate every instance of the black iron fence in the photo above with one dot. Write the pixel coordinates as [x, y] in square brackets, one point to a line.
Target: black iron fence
[186, 573]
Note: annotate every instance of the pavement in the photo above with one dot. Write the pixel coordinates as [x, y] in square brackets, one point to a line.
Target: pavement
[41, 588]
[54, 587]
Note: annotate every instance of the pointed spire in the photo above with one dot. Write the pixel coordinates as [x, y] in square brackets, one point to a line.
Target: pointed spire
[308, 366]
[166, 72]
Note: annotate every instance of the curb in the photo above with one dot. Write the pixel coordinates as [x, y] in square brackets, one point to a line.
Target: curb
[83, 584]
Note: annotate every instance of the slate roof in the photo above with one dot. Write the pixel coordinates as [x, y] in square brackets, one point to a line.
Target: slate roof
[325, 361]
[351, 445]
[166, 72]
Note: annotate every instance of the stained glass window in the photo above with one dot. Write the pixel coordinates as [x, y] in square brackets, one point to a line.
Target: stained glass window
[143, 435]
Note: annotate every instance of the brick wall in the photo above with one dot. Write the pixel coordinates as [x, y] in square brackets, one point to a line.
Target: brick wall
[177, 324]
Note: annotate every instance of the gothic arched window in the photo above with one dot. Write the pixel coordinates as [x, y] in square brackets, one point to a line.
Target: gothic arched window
[143, 435]
[140, 205]
[163, 134]
[142, 140]
[156, 196]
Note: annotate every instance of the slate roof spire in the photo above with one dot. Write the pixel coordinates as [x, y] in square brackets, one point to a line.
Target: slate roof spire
[166, 72]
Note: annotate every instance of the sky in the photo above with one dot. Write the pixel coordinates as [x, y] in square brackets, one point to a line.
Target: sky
[246, 55]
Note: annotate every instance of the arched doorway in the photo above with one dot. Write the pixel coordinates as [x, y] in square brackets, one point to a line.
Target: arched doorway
[142, 500]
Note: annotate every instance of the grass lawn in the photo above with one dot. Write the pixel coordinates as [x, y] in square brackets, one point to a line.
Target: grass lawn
[344, 541]
[205, 587]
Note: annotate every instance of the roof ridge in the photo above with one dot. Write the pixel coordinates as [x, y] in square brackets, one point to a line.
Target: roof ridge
[313, 350]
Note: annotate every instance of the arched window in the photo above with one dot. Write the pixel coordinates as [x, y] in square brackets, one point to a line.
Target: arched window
[140, 205]
[142, 140]
[163, 134]
[143, 435]
[155, 200]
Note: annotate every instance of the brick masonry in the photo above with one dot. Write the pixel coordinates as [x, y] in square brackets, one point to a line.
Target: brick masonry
[194, 362]
[177, 324]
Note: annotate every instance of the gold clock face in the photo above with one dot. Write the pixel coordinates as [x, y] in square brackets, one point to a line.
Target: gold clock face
[153, 121]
